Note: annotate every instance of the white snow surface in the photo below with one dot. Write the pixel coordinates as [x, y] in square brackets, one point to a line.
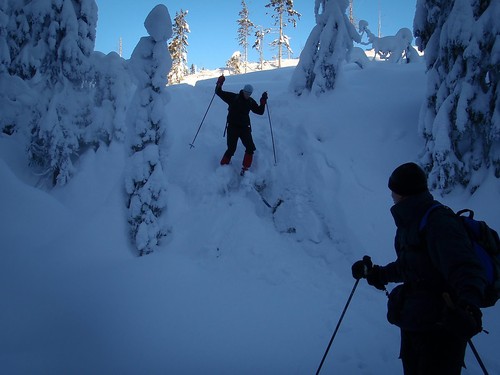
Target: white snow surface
[235, 289]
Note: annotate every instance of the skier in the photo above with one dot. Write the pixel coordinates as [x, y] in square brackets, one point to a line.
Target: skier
[238, 121]
[436, 307]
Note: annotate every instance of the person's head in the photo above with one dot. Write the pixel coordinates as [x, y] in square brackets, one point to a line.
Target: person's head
[406, 180]
[247, 90]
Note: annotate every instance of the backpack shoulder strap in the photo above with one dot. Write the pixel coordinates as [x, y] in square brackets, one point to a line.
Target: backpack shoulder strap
[423, 221]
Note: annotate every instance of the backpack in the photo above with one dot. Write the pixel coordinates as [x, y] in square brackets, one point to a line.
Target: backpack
[486, 244]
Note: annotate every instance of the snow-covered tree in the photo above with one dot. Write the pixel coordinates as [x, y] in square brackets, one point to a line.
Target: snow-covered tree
[178, 48]
[260, 33]
[460, 118]
[245, 27]
[145, 180]
[50, 43]
[284, 13]
[111, 92]
[4, 47]
[327, 48]
[234, 63]
[62, 96]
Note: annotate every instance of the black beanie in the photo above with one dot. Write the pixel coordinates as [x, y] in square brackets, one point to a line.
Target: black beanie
[408, 179]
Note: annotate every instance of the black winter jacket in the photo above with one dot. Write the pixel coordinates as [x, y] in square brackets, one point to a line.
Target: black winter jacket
[239, 107]
[438, 259]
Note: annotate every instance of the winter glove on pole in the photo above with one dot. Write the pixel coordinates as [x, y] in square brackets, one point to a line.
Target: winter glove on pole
[220, 81]
[263, 98]
[361, 268]
[364, 269]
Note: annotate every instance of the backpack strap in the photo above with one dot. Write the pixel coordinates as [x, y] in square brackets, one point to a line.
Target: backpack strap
[423, 221]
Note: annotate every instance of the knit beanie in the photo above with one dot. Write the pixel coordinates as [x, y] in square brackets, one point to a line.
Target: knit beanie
[408, 179]
[248, 89]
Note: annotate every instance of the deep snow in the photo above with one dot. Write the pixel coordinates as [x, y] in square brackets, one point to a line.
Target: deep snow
[234, 289]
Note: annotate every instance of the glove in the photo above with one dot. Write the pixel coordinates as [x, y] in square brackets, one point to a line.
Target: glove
[263, 98]
[361, 268]
[463, 320]
[376, 278]
[220, 81]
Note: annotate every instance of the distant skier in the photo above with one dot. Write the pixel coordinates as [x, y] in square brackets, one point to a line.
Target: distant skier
[238, 121]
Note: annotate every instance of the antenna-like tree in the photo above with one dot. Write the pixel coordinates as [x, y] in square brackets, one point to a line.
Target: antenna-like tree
[244, 30]
[178, 48]
[259, 43]
[283, 14]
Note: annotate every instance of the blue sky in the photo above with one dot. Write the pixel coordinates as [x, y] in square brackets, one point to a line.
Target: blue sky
[213, 25]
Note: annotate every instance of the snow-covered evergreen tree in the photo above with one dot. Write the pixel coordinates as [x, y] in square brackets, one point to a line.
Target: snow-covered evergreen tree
[245, 27]
[4, 47]
[178, 48]
[63, 96]
[460, 117]
[284, 13]
[50, 43]
[327, 48]
[234, 63]
[145, 180]
[111, 92]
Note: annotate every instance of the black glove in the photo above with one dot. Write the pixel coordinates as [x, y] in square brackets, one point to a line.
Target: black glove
[263, 98]
[220, 81]
[361, 268]
[463, 320]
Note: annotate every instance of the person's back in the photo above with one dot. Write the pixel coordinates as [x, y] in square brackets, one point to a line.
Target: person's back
[436, 307]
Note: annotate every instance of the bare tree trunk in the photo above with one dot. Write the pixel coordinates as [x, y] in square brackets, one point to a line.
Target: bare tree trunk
[280, 46]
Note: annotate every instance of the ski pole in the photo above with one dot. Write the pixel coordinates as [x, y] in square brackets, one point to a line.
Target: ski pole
[476, 354]
[203, 119]
[338, 325]
[272, 136]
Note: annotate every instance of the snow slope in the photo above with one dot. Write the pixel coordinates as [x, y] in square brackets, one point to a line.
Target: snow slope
[235, 289]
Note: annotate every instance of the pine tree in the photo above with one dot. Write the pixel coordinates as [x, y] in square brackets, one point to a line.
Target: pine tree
[145, 177]
[5, 14]
[283, 14]
[54, 40]
[460, 119]
[64, 98]
[245, 27]
[260, 33]
[326, 49]
[178, 48]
